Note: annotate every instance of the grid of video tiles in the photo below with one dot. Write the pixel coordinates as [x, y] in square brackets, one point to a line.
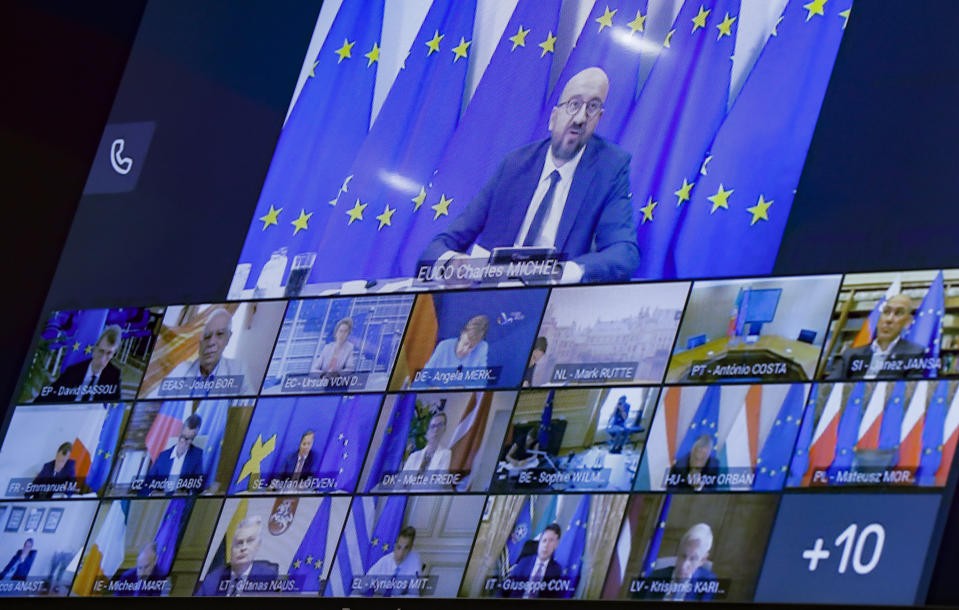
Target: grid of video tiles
[677, 440]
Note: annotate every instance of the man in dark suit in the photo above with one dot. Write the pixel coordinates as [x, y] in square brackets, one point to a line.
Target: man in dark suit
[60, 471]
[537, 575]
[144, 574]
[570, 192]
[298, 464]
[681, 579]
[93, 379]
[19, 565]
[888, 355]
[243, 573]
[697, 469]
[179, 468]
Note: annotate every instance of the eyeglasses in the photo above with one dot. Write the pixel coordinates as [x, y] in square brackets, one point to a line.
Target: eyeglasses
[573, 105]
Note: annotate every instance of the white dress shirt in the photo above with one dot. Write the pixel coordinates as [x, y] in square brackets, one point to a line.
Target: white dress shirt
[547, 237]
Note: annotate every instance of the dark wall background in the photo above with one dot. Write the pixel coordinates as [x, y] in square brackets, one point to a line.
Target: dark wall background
[60, 65]
[878, 190]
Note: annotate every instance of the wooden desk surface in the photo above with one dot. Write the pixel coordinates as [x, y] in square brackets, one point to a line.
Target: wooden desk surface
[804, 354]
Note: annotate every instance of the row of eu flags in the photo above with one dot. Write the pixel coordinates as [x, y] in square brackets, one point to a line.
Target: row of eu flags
[713, 177]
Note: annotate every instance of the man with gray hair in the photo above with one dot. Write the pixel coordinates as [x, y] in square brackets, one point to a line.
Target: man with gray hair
[95, 378]
[569, 192]
[689, 569]
[887, 355]
[211, 373]
[242, 572]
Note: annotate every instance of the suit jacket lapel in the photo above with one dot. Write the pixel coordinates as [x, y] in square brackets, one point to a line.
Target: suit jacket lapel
[582, 178]
[520, 198]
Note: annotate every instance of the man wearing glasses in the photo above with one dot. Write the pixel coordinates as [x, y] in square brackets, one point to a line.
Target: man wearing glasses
[95, 378]
[569, 192]
[179, 469]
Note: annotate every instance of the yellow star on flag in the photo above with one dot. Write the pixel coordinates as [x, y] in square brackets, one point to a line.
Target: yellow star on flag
[775, 31]
[460, 49]
[309, 559]
[434, 44]
[683, 193]
[270, 217]
[704, 167]
[699, 21]
[669, 38]
[606, 21]
[313, 69]
[385, 217]
[548, 45]
[345, 51]
[88, 350]
[442, 208]
[759, 210]
[814, 8]
[519, 38]
[297, 563]
[720, 199]
[258, 452]
[356, 212]
[419, 199]
[300, 224]
[373, 55]
[726, 26]
[845, 15]
[638, 24]
[76, 346]
[648, 209]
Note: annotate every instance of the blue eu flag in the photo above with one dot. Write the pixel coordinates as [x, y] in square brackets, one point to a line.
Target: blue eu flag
[389, 454]
[168, 534]
[679, 110]
[926, 329]
[401, 151]
[737, 215]
[652, 551]
[306, 568]
[848, 432]
[503, 114]
[932, 441]
[106, 446]
[705, 421]
[800, 457]
[774, 457]
[569, 551]
[329, 121]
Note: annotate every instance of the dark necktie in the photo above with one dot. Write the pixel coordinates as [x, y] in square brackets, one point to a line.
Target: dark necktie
[539, 219]
[90, 395]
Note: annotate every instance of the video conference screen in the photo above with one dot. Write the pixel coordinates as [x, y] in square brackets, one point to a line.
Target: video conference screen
[489, 306]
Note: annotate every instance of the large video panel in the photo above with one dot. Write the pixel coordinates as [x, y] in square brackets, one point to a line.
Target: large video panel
[503, 326]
